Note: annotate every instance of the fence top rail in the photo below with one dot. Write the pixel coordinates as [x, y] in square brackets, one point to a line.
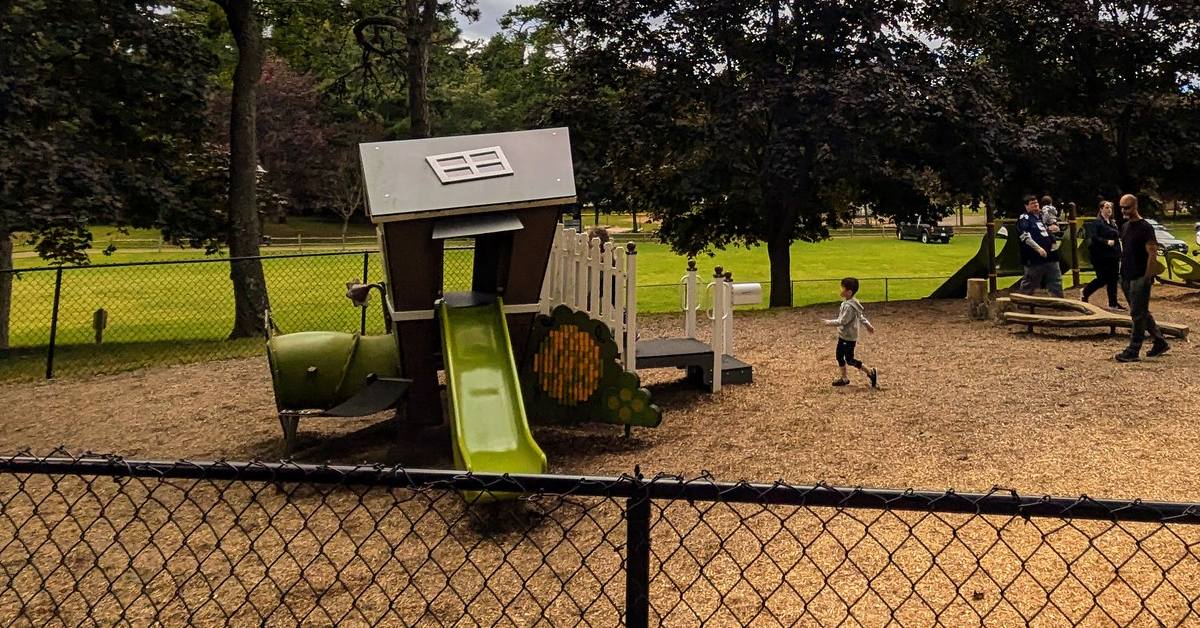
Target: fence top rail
[816, 280]
[704, 488]
[213, 260]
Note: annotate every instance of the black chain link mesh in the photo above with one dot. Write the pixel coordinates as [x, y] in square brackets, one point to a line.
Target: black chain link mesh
[91, 540]
[173, 313]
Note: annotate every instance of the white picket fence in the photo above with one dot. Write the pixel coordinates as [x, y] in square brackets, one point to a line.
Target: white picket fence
[599, 279]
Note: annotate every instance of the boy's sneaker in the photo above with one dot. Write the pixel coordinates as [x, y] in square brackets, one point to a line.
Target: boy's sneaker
[841, 382]
[1126, 356]
[1160, 347]
[874, 375]
[1117, 308]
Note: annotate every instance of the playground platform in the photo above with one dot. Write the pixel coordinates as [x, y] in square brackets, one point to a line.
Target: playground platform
[693, 355]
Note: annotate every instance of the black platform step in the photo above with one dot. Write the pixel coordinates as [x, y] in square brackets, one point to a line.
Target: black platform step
[694, 356]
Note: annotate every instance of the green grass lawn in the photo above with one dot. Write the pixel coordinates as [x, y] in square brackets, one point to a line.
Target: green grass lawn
[183, 312]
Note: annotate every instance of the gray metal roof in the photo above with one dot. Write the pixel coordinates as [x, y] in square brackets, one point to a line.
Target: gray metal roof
[446, 176]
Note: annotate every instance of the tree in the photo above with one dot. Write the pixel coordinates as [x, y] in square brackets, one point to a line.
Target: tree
[249, 283]
[419, 22]
[294, 135]
[347, 196]
[743, 122]
[1099, 93]
[99, 103]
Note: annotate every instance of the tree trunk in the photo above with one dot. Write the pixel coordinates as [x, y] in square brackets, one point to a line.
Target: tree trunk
[249, 284]
[6, 285]
[779, 252]
[422, 21]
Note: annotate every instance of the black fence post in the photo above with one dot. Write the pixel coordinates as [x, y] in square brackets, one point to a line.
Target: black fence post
[362, 325]
[58, 275]
[637, 564]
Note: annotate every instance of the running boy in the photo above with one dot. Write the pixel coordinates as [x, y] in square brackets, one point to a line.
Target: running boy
[847, 322]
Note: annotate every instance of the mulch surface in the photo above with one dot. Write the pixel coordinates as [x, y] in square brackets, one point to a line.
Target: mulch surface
[962, 404]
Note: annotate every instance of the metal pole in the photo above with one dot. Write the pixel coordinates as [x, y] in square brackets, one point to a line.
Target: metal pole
[989, 241]
[58, 275]
[362, 325]
[637, 562]
[1074, 250]
[885, 289]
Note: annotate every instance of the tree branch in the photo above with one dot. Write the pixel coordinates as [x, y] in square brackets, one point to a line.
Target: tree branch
[376, 20]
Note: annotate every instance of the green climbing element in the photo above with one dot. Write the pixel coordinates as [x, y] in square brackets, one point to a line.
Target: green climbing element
[627, 403]
[1182, 269]
[320, 369]
[571, 374]
[488, 427]
[1008, 262]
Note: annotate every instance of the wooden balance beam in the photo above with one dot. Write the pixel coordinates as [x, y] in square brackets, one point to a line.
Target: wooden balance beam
[1083, 315]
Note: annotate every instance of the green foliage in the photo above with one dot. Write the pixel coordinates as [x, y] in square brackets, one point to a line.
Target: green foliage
[742, 122]
[1086, 99]
[99, 103]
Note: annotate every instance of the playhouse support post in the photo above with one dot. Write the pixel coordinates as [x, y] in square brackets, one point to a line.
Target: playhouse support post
[727, 314]
[718, 328]
[691, 301]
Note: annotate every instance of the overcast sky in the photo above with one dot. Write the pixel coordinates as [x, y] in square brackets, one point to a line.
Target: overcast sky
[490, 11]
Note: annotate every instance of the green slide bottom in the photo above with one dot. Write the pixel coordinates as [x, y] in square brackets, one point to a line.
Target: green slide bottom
[488, 426]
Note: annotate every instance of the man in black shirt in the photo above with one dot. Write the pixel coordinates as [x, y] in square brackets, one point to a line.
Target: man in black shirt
[1139, 257]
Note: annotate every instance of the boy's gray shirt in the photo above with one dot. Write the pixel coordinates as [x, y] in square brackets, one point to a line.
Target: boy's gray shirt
[850, 316]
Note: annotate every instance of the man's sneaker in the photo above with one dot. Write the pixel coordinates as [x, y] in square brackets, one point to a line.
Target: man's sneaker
[874, 375]
[1126, 356]
[841, 382]
[1160, 347]
[1117, 308]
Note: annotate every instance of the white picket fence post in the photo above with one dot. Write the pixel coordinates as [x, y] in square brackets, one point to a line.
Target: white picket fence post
[599, 279]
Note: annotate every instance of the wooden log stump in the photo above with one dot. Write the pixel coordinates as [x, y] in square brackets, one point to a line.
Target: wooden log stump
[978, 302]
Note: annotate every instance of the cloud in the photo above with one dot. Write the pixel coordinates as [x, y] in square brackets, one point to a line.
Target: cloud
[490, 12]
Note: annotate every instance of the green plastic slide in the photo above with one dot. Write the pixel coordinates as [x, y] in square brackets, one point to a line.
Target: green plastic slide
[488, 426]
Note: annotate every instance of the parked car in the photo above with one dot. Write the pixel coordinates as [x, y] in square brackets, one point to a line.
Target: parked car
[924, 230]
[1166, 240]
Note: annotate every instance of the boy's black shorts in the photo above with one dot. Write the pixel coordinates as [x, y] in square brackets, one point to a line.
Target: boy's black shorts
[845, 353]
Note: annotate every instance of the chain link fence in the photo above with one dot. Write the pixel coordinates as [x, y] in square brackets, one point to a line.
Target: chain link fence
[104, 540]
[80, 320]
[77, 320]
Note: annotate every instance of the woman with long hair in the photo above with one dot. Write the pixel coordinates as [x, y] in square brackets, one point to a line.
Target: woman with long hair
[1104, 247]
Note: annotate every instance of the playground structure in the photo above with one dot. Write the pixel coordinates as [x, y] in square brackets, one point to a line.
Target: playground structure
[1079, 314]
[600, 279]
[547, 330]
[1182, 270]
[999, 256]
